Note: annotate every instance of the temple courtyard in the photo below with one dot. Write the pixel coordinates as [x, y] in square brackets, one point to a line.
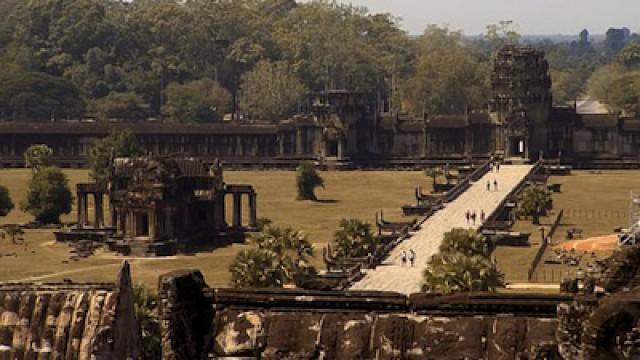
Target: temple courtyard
[596, 202]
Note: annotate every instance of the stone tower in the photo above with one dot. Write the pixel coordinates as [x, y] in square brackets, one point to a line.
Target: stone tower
[520, 101]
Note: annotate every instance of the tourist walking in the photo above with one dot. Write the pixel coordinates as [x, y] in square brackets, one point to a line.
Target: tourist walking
[482, 216]
[497, 167]
[495, 185]
[473, 217]
[488, 185]
[412, 257]
[468, 216]
[403, 257]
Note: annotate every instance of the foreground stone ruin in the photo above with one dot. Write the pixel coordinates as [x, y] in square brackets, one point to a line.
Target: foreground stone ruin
[69, 321]
[200, 322]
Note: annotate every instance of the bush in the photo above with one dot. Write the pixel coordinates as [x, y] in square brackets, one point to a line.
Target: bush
[307, 181]
[48, 196]
[6, 205]
[534, 201]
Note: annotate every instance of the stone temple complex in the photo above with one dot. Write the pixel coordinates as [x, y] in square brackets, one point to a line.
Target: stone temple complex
[346, 128]
[161, 205]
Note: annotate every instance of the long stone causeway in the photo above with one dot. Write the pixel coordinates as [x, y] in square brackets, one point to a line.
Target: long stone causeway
[392, 275]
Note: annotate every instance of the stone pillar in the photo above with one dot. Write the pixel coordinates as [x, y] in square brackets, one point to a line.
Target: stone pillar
[80, 210]
[237, 210]
[168, 222]
[253, 210]
[340, 148]
[85, 209]
[281, 145]
[98, 214]
[221, 212]
[152, 224]
[299, 144]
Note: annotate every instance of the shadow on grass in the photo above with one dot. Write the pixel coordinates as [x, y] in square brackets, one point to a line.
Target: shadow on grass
[327, 201]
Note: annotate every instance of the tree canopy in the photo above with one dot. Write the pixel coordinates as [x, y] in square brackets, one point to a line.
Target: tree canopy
[354, 239]
[137, 59]
[307, 180]
[101, 155]
[37, 156]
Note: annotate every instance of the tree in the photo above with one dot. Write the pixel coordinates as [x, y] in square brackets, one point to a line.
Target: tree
[455, 272]
[307, 180]
[37, 156]
[467, 242]
[146, 308]
[117, 144]
[277, 256]
[533, 201]
[501, 34]
[434, 173]
[448, 76]
[354, 238]
[121, 106]
[6, 204]
[630, 55]
[38, 96]
[48, 196]
[15, 232]
[462, 265]
[197, 101]
[271, 91]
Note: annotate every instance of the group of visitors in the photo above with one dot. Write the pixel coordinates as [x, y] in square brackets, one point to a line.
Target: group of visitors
[472, 216]
[408, 256]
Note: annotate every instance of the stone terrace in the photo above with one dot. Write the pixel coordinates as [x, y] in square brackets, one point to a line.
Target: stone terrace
[393, 276]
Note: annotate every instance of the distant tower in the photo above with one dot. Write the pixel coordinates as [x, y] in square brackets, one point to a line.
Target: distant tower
[584, 37]
[520, 101]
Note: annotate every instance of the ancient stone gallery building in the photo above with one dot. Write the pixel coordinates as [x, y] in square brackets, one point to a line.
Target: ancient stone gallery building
[160, 205]
[342, 127]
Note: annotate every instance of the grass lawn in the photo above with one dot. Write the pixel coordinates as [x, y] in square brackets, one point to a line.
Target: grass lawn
[597, 202]
[356, 194]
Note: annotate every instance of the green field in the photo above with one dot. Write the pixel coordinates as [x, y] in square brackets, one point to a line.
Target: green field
[356, 194]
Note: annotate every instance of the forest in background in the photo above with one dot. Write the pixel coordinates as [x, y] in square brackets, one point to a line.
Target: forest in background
[199, 60]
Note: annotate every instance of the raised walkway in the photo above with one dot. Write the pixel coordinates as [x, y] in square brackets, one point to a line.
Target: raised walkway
[392, 276]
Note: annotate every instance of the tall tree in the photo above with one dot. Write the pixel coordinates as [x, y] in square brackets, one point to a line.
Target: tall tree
[117, 144]
[271, 91]
[533, 201]
[197, 101]
[448, 75]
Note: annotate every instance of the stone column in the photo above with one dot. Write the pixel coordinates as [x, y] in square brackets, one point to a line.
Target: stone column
[152, 224]
[340, 148]
[299, 144]
[221, 212]
[168, 222]
[80, 210]
[85, 209]
[237, 210]
[253, 210]
[281, 145]
[98, 215]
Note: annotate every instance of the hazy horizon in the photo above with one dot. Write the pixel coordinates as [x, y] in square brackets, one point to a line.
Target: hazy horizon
[531, 17]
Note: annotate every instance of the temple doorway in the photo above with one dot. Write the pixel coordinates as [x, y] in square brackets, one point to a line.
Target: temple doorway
[142, 225]
[517, 147]
[332, 148]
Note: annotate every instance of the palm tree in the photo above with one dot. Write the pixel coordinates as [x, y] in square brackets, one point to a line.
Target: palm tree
[354, 238]
[278, 256]
[533, 201]
[455, 272]
[466, 241]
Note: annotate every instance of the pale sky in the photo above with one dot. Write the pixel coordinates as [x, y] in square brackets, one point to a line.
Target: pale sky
[533, 17]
